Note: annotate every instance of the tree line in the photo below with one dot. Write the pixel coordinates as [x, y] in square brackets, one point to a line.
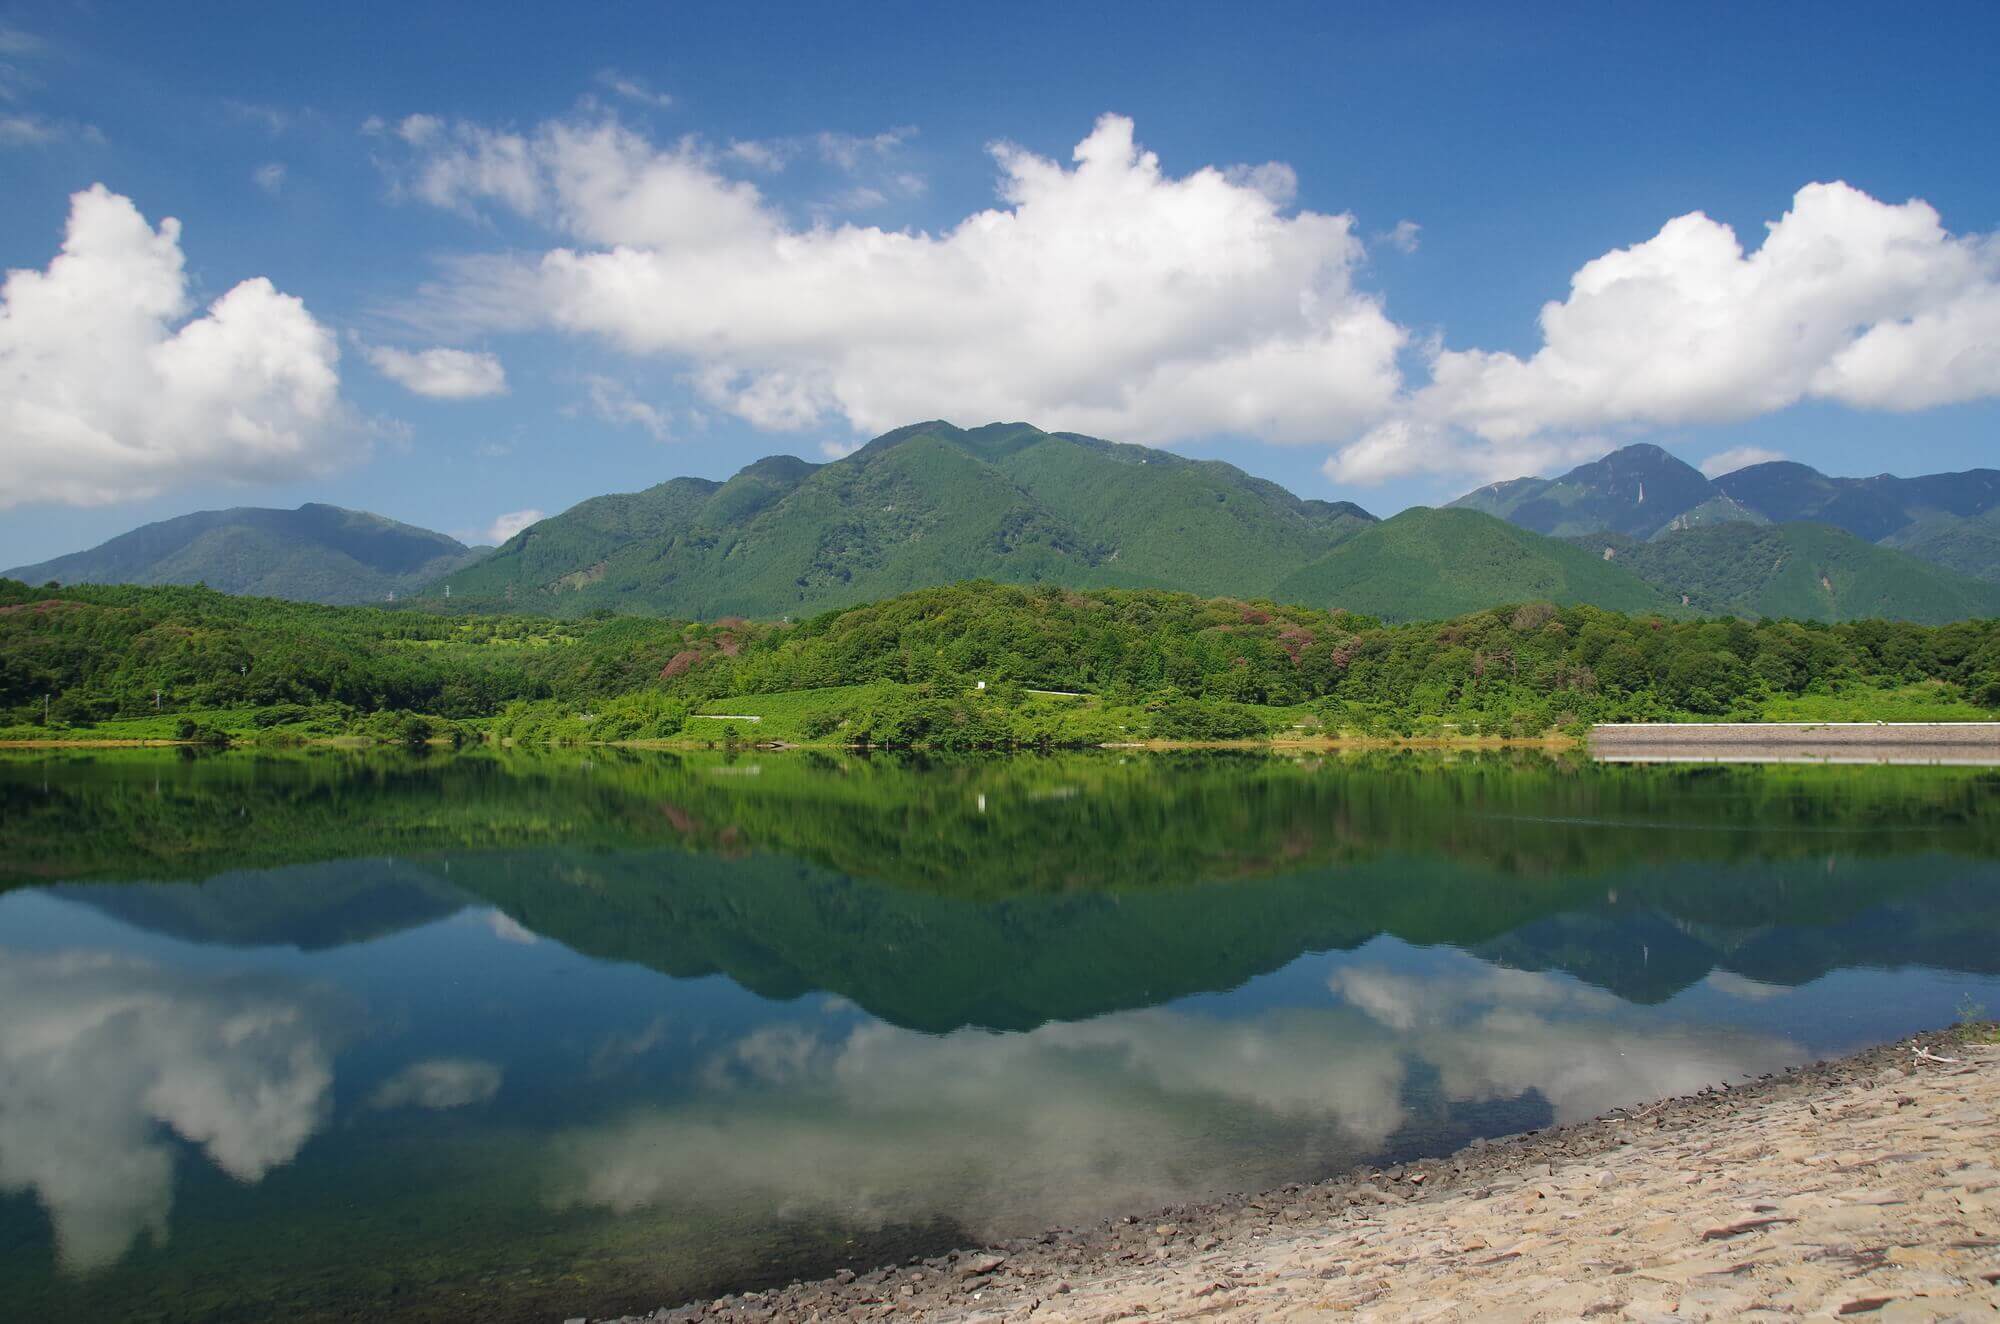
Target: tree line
[1190, 668]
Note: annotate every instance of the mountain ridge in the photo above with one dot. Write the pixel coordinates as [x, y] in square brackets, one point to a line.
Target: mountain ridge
[1951, 520]
[1798, 569]
[924, 504]
[316, 553]
[931, 503]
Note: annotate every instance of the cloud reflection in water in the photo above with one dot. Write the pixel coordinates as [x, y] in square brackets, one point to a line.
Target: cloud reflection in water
[1000, 1133]
[100, 1052]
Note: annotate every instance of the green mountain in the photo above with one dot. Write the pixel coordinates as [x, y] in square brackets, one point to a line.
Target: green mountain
[1638, 491]
[316, 553]
[923, 505]
[1802, 571]
[1950, 519]
[1429, 564]
[1872, 508]
[1968, 544]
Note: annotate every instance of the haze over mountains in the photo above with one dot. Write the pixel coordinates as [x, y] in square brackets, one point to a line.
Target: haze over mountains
[316, 553]
[1776, 539]
[1645, 492]
[1638, 530]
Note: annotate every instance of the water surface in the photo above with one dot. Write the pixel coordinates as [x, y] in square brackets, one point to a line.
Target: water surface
[332, 1034]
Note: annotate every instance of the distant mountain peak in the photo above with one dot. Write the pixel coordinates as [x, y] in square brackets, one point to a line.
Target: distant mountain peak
[1636, 489]
[923, 504]
[315, 553]
[1644, 491]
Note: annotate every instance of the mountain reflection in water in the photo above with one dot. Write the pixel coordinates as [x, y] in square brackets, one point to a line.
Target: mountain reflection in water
[338, 1034]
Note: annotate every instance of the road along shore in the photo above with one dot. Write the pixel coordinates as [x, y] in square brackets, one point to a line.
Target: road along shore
[1864, 1188]
[1819, 742]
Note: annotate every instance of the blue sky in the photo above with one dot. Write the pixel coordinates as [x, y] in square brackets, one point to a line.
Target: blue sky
[787, 186]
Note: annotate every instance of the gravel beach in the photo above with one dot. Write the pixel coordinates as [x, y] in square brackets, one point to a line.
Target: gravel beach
[1865, 1187]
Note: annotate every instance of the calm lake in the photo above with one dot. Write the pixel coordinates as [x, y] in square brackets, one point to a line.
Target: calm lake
[329, 1034]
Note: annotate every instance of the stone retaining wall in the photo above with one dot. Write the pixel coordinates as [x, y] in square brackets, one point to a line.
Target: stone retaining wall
[1873, 742]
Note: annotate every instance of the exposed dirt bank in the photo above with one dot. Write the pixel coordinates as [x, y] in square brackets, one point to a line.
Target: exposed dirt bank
[1865, 1187]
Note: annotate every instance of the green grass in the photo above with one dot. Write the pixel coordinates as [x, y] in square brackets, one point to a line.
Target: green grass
[1908, 703]
[785, 715]
[164, 726]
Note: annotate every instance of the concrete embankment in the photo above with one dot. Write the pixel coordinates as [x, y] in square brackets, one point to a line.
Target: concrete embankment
[1865, 1187]
[1819, 742]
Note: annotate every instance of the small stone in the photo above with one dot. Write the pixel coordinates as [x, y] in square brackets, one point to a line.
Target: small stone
[980, 1264]
[1738, 1229]
[843, 1276]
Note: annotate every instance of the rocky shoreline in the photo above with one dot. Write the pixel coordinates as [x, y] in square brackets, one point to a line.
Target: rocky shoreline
[1865, 1186]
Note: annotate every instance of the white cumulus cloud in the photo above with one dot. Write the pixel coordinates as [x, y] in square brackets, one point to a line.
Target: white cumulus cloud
[1738, 457]
[1848, 299]
[109, 391]
[500, 530]
[1404, 237]
[1104, 295]
[614, 402]
[633, 89]
[441, 374]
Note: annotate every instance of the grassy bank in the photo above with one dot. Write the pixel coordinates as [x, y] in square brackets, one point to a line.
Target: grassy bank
[890, 715]
[970, 666]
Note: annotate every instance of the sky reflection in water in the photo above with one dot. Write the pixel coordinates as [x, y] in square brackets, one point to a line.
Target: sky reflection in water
[612, 1035]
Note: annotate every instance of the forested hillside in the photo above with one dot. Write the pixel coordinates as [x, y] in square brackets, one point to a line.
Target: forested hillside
[957, 665]
[1798, 571]
[926, 504]
[1426, 564]
[934, 504]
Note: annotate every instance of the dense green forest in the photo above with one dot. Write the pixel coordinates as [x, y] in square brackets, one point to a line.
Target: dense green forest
[1796, 571]
[923, 505]
[965, 665]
